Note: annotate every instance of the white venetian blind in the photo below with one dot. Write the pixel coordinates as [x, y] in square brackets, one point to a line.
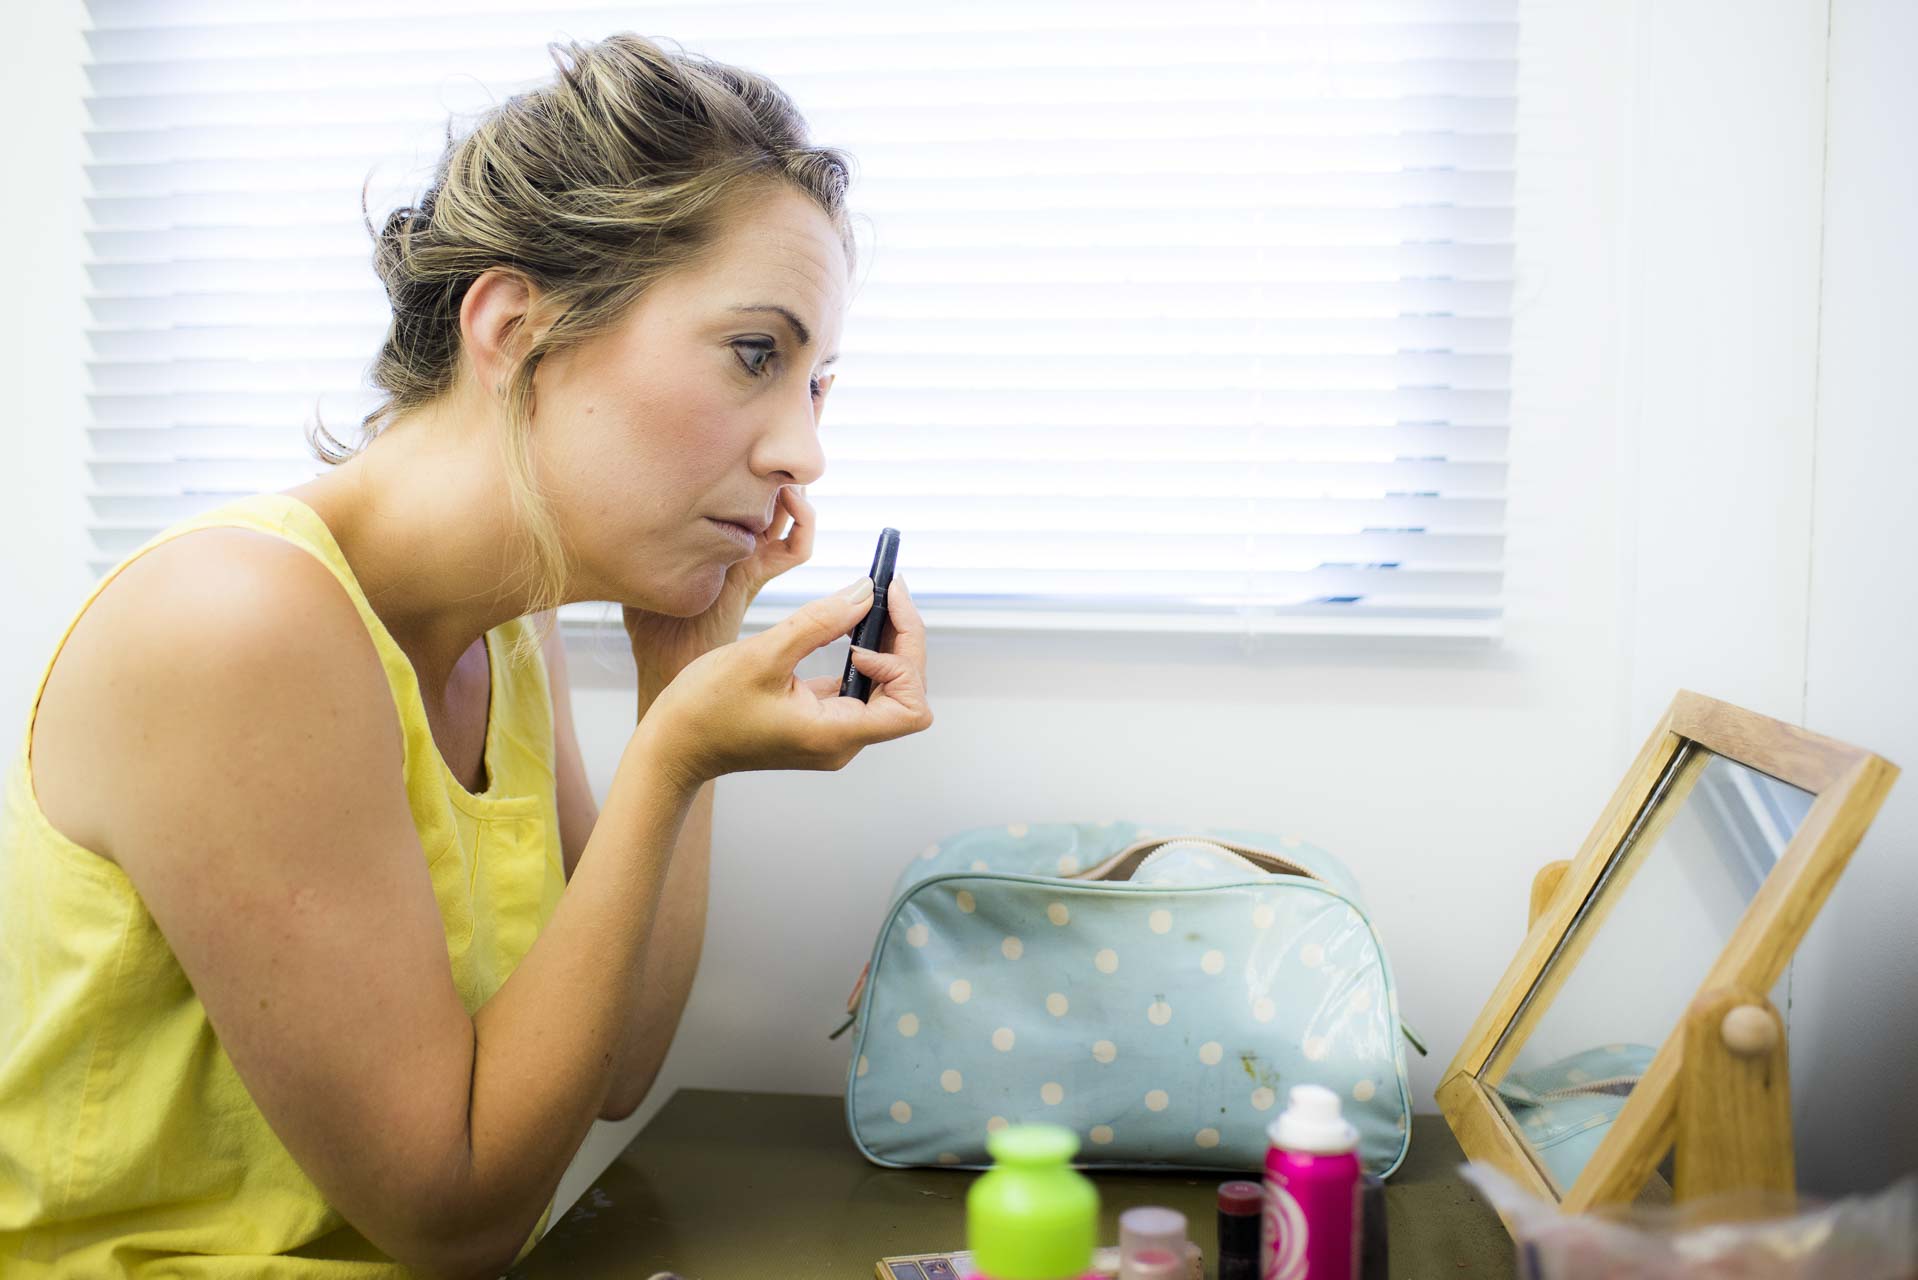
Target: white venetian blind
[1172, 315]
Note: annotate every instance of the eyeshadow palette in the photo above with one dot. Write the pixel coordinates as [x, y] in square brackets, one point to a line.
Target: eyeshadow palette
[958, 1266]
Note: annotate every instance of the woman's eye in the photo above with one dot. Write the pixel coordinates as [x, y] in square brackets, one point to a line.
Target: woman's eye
[758, 355]
[765, 353]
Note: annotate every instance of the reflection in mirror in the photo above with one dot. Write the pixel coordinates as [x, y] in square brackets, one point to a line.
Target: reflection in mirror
[1636, 952]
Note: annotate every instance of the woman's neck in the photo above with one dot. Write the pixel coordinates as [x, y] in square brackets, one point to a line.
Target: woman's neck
[424, 516]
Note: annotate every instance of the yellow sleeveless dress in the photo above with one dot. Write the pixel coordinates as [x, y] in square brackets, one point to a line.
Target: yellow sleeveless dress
[128, 1144]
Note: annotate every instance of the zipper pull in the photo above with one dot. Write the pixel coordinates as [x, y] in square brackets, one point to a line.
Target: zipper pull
[1413, 1037]
[852, 1002]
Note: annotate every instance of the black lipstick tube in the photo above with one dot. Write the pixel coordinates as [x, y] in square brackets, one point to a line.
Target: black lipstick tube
[856, 684]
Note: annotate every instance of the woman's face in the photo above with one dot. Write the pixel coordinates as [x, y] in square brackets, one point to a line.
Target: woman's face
[695, 412]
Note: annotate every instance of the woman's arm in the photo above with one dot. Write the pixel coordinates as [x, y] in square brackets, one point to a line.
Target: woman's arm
[671, 958]
[250, 774]
[253, 791]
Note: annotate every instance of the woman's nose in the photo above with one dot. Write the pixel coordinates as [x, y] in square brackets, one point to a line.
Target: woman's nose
[791, 445]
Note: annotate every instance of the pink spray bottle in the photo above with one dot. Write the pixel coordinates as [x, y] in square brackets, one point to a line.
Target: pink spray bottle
[1312, 1188]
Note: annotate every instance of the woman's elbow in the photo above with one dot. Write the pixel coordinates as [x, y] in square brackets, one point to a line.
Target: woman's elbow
[622, 1102]
[453, 1230]
[481, 1254]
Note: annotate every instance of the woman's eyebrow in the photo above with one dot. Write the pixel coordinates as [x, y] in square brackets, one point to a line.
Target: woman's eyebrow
[799, 328]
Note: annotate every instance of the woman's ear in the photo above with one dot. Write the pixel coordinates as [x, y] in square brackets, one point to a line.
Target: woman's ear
[493, 318]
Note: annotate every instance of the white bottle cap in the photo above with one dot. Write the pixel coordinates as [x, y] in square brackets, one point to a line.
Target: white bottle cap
[1311, 1123]
[1151, 1227]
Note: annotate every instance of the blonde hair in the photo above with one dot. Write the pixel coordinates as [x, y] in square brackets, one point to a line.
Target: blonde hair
[620, 171]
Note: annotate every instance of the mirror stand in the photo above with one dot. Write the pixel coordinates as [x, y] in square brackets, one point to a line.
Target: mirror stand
[1631, 1032]
[1734, 1098]
[1734, 1090]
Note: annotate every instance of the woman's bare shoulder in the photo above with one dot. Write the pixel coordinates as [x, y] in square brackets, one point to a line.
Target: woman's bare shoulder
[215, 625]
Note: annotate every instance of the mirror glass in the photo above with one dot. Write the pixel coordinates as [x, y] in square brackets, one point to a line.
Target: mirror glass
[1637, 951]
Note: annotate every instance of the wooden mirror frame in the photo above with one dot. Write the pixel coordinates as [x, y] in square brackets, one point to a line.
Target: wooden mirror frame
[1849, 785]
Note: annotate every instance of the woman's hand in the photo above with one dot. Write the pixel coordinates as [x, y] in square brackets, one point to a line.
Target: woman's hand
[663, 645]
[740, 707]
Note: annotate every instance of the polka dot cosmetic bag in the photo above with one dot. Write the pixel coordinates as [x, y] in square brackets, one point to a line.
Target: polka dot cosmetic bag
[1156, 993]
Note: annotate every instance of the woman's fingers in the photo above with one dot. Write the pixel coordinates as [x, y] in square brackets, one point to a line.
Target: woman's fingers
[799, 541]
[816, 624]
[898, 706]
[905, 629]
[822, 686]
[885, 668]
[795, 546]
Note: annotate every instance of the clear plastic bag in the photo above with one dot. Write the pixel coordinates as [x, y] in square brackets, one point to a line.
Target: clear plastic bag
[1871, 1237]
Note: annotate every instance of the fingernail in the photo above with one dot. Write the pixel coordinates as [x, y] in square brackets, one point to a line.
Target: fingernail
[863, 587]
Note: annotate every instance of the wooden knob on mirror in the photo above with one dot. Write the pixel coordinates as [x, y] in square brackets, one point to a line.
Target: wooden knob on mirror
[1749, 1030]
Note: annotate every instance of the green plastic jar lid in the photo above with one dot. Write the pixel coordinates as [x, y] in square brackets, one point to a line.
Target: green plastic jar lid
[1032, 1216]
[1025, 1144]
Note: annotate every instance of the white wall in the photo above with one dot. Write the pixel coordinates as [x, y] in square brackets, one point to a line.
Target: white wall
[42, 354]
[1855, 1015]
[1721, 321]
[1771, 272]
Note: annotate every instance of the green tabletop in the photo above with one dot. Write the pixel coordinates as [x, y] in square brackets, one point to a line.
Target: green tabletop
[768, 1186]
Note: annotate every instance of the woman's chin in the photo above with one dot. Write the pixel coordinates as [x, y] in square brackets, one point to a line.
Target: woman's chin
[690, 596]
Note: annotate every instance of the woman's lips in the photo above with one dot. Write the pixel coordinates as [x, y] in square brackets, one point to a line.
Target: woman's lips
[738, 532]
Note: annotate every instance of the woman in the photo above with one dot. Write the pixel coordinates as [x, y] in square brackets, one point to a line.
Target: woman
[291, 984]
